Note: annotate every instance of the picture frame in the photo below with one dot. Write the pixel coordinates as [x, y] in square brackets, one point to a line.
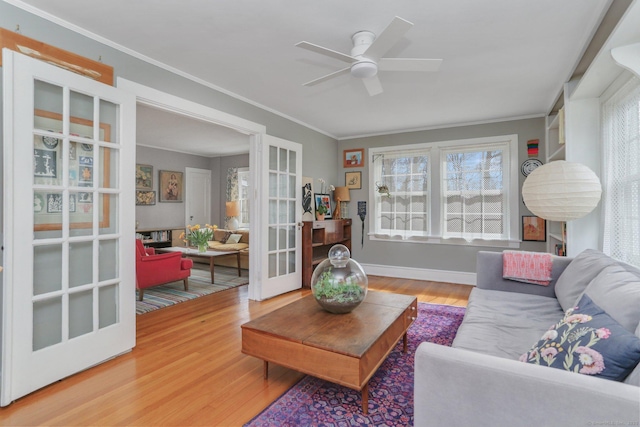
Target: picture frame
[170, 187]
[48, 161]
[145, 198]
[144, 177]
[534, 229]
[308, 207]
[324, 199]
[353, 158]
[353, 180]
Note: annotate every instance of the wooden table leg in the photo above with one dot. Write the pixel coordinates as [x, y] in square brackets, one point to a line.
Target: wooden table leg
[365, 399]
[211, 268]
[265, 370]
[238, 258]
[404, 343]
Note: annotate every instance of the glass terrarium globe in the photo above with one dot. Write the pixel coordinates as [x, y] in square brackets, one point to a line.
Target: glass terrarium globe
[339, 284]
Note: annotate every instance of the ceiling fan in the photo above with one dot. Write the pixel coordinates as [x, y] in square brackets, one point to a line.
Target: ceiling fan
[366, 56]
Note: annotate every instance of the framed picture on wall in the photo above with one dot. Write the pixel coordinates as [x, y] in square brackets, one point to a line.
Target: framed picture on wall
[145, 198]
[170, 187]
[144, 177]
[324, 199]
[353, 158]
[534, 229]
[353, 180]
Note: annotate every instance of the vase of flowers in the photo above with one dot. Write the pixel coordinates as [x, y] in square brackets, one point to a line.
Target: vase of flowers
[199, 236]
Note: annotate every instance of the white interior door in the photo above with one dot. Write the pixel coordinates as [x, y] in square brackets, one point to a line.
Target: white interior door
[69, 266]
[198, 196]
[280, 189]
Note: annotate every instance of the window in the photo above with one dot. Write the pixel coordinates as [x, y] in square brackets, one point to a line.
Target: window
[461, 191]
[621, 173]
[243, 197]
[404, 210]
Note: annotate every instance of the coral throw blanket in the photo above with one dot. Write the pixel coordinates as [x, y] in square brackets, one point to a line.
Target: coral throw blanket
[527, 267]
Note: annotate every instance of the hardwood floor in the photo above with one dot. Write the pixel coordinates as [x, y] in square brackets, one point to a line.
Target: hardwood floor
[187, 368]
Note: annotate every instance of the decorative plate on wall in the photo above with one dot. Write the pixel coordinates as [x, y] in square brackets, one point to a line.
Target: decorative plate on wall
[529, 165]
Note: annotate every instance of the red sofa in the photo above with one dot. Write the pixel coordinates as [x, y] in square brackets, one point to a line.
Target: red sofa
[154, 270]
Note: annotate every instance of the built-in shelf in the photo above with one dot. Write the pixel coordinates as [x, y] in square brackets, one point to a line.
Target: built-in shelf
[559, 154]
[555, 149]
[555, 236]
[160, 237]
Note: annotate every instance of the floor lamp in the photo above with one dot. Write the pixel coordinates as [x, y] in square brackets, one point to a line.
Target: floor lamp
[561, 191]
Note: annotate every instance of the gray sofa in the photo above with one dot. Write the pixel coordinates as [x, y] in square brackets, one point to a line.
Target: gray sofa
[479, 381]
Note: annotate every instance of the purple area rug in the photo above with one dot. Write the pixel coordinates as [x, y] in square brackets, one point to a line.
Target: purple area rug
[314, 402]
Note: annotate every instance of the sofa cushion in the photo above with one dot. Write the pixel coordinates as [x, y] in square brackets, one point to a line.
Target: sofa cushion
[234, 238]
[578, 274]
[219, 234]
[231, 247]
[617, 291]
[213, 244]
[504, 324]
[587, 341]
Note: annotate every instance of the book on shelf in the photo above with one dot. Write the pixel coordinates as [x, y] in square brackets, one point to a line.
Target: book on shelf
[559, 251]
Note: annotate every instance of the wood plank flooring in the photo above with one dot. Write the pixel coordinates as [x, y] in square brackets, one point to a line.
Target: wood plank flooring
[187, 368]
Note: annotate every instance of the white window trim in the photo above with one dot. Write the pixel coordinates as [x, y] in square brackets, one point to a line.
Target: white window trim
[436, 208]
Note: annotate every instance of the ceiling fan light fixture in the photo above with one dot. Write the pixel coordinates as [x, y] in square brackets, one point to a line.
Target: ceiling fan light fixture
[364, 69]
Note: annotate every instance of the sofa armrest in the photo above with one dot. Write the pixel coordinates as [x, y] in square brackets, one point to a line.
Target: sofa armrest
[489, 275]
[459, 387]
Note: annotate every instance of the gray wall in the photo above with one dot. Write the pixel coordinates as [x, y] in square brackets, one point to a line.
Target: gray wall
[172, 215]
[432, 256]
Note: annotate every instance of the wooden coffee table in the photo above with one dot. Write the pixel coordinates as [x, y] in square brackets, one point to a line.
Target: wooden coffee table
[346, 349]
[211, 254]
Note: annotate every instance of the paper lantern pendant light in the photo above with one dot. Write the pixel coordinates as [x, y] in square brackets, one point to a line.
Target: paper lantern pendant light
[561, 191]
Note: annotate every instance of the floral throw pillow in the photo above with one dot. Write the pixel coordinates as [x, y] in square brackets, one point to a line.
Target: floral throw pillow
[587, 341]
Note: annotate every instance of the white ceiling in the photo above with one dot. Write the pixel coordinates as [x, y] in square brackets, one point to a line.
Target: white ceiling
[170, 131]
[502, 58]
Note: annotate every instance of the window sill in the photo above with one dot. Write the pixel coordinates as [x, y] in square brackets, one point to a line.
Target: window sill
[437, 240]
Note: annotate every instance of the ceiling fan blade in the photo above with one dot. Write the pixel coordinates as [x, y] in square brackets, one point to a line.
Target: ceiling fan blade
[328, 52]
[388, 38]
[373, 86]
[327, 77]
[409, 64]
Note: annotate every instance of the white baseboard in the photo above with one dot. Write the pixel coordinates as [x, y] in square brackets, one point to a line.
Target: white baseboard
[460, 277]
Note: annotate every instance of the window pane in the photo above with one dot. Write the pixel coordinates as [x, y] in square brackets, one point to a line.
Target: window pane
[474, 189]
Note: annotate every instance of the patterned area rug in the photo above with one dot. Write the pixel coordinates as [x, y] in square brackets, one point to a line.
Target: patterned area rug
[199, 285]
[314, 402]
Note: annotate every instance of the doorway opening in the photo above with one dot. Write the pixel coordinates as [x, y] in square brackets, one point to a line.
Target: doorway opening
[149, 98]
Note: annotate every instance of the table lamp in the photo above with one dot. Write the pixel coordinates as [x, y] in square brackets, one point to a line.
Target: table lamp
[341, 196]
[233, 210]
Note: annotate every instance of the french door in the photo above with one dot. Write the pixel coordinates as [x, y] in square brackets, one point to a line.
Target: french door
[280, 189]
[69, 268]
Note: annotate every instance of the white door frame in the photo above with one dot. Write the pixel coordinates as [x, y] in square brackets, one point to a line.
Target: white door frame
[164, 101]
